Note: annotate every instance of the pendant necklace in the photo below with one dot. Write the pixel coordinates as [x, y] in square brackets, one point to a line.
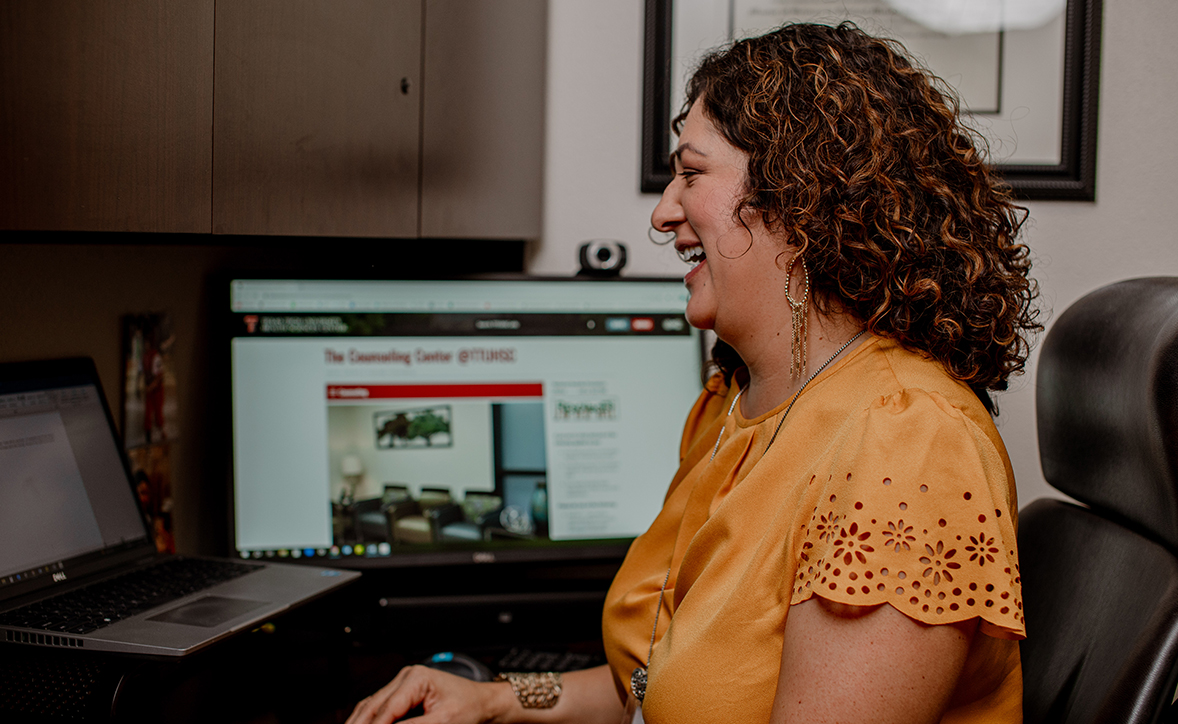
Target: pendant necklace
[638, 677]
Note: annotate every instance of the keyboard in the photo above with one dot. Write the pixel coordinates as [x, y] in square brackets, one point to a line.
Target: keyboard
[91, 607]
[43, 689]
[519, 659]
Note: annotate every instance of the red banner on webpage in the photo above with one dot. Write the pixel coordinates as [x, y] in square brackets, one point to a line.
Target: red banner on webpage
[496, 390]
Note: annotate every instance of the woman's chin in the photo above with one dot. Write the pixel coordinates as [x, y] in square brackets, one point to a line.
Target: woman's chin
[699, 321]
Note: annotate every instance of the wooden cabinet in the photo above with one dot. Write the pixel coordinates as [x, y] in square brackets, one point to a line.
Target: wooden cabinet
[364, 118]
[483, 128]
[316, 119]
[106, 113]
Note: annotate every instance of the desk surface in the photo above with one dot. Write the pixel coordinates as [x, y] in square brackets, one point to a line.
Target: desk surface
[275, 673]
[308, 667]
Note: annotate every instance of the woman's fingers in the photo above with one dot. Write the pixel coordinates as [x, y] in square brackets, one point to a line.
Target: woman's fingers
[444, 695]
[382, 706]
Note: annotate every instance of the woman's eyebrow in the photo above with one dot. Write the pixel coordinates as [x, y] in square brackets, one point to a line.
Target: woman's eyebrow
[678, 152]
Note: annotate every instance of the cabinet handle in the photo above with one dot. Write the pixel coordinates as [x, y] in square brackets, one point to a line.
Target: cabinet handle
[405, 86]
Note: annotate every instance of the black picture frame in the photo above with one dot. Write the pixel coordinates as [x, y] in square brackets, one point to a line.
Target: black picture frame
[1074, 178]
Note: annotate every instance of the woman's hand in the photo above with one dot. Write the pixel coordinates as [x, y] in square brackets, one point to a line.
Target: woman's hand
[444, 697]
[589, 697]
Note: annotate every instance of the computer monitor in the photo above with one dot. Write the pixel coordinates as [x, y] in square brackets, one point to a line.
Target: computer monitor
[382, 423]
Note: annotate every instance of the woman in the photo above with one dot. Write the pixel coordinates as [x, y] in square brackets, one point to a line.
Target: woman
[839, 541]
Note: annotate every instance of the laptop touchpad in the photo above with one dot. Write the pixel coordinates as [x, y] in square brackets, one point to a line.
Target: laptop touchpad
[208, 611]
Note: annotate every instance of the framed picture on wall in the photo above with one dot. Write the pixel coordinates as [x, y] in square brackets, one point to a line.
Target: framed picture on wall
[427, 427]
[1026, 72]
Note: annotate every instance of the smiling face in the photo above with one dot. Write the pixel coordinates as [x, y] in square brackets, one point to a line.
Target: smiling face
[737, 275]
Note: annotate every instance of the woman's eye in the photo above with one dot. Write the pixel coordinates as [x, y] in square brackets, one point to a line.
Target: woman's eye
[688, 175]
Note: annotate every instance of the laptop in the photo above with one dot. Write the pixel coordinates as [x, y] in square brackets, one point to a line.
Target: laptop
[72, 532]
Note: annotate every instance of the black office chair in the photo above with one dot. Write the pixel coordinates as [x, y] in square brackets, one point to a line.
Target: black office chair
[372, 519]
[1100, 584]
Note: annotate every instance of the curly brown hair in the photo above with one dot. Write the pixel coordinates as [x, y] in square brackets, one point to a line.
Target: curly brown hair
[858, 155]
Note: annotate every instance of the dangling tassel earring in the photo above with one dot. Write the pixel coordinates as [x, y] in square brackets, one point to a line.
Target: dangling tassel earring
[797, 367]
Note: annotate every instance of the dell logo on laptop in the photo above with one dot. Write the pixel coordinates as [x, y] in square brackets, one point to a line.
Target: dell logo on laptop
[59, 576]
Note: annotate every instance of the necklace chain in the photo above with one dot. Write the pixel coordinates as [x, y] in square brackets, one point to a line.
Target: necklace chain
[808, 381]
[722, 429]
[657, 611]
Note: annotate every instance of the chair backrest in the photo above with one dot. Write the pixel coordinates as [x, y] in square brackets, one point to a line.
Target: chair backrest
[395, 493]
[432, 497]
[477, 505]
[1107, 403]
[1100, 584]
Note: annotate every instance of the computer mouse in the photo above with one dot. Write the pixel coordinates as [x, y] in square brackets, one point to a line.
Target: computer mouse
[460, 665]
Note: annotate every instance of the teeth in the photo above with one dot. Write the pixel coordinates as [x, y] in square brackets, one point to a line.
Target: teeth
[692, 255]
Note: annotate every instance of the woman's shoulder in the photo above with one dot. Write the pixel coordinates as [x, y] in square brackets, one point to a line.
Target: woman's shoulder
[897, 379]
[902, 397]
[914, 503]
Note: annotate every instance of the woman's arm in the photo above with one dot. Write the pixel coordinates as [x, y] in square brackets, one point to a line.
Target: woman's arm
[866, 664]
[588, 697]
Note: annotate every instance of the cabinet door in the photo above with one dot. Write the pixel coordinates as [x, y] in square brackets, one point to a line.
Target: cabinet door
[317, 117]
[483, 134]
[105, 115]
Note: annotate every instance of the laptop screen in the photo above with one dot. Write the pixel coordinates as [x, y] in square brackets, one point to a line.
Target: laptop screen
[404, 422]
[64, 493]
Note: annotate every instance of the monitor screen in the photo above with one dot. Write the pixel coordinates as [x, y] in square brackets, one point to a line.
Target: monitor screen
[394, 423]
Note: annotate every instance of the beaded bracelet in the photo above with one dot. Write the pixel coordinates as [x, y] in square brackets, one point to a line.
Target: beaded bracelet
[534, 691]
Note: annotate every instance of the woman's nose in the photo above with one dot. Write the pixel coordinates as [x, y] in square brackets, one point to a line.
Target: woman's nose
[668, 213]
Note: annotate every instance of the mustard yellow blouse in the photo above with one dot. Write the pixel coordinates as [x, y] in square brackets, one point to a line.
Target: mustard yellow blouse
[887, 483]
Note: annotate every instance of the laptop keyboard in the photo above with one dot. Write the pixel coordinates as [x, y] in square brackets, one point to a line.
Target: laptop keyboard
[100, 604]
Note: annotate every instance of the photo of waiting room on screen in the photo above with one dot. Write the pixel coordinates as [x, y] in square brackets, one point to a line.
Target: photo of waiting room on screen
[437, 472]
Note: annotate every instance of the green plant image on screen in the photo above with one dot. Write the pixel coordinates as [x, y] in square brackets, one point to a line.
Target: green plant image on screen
[422, 427]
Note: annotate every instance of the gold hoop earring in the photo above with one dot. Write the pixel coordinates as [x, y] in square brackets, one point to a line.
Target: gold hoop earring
[797, 366]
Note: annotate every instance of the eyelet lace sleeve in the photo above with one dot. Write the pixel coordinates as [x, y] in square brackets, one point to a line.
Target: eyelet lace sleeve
[915, 513]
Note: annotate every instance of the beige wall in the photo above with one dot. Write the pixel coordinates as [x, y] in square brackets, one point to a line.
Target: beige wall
[591, 179]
